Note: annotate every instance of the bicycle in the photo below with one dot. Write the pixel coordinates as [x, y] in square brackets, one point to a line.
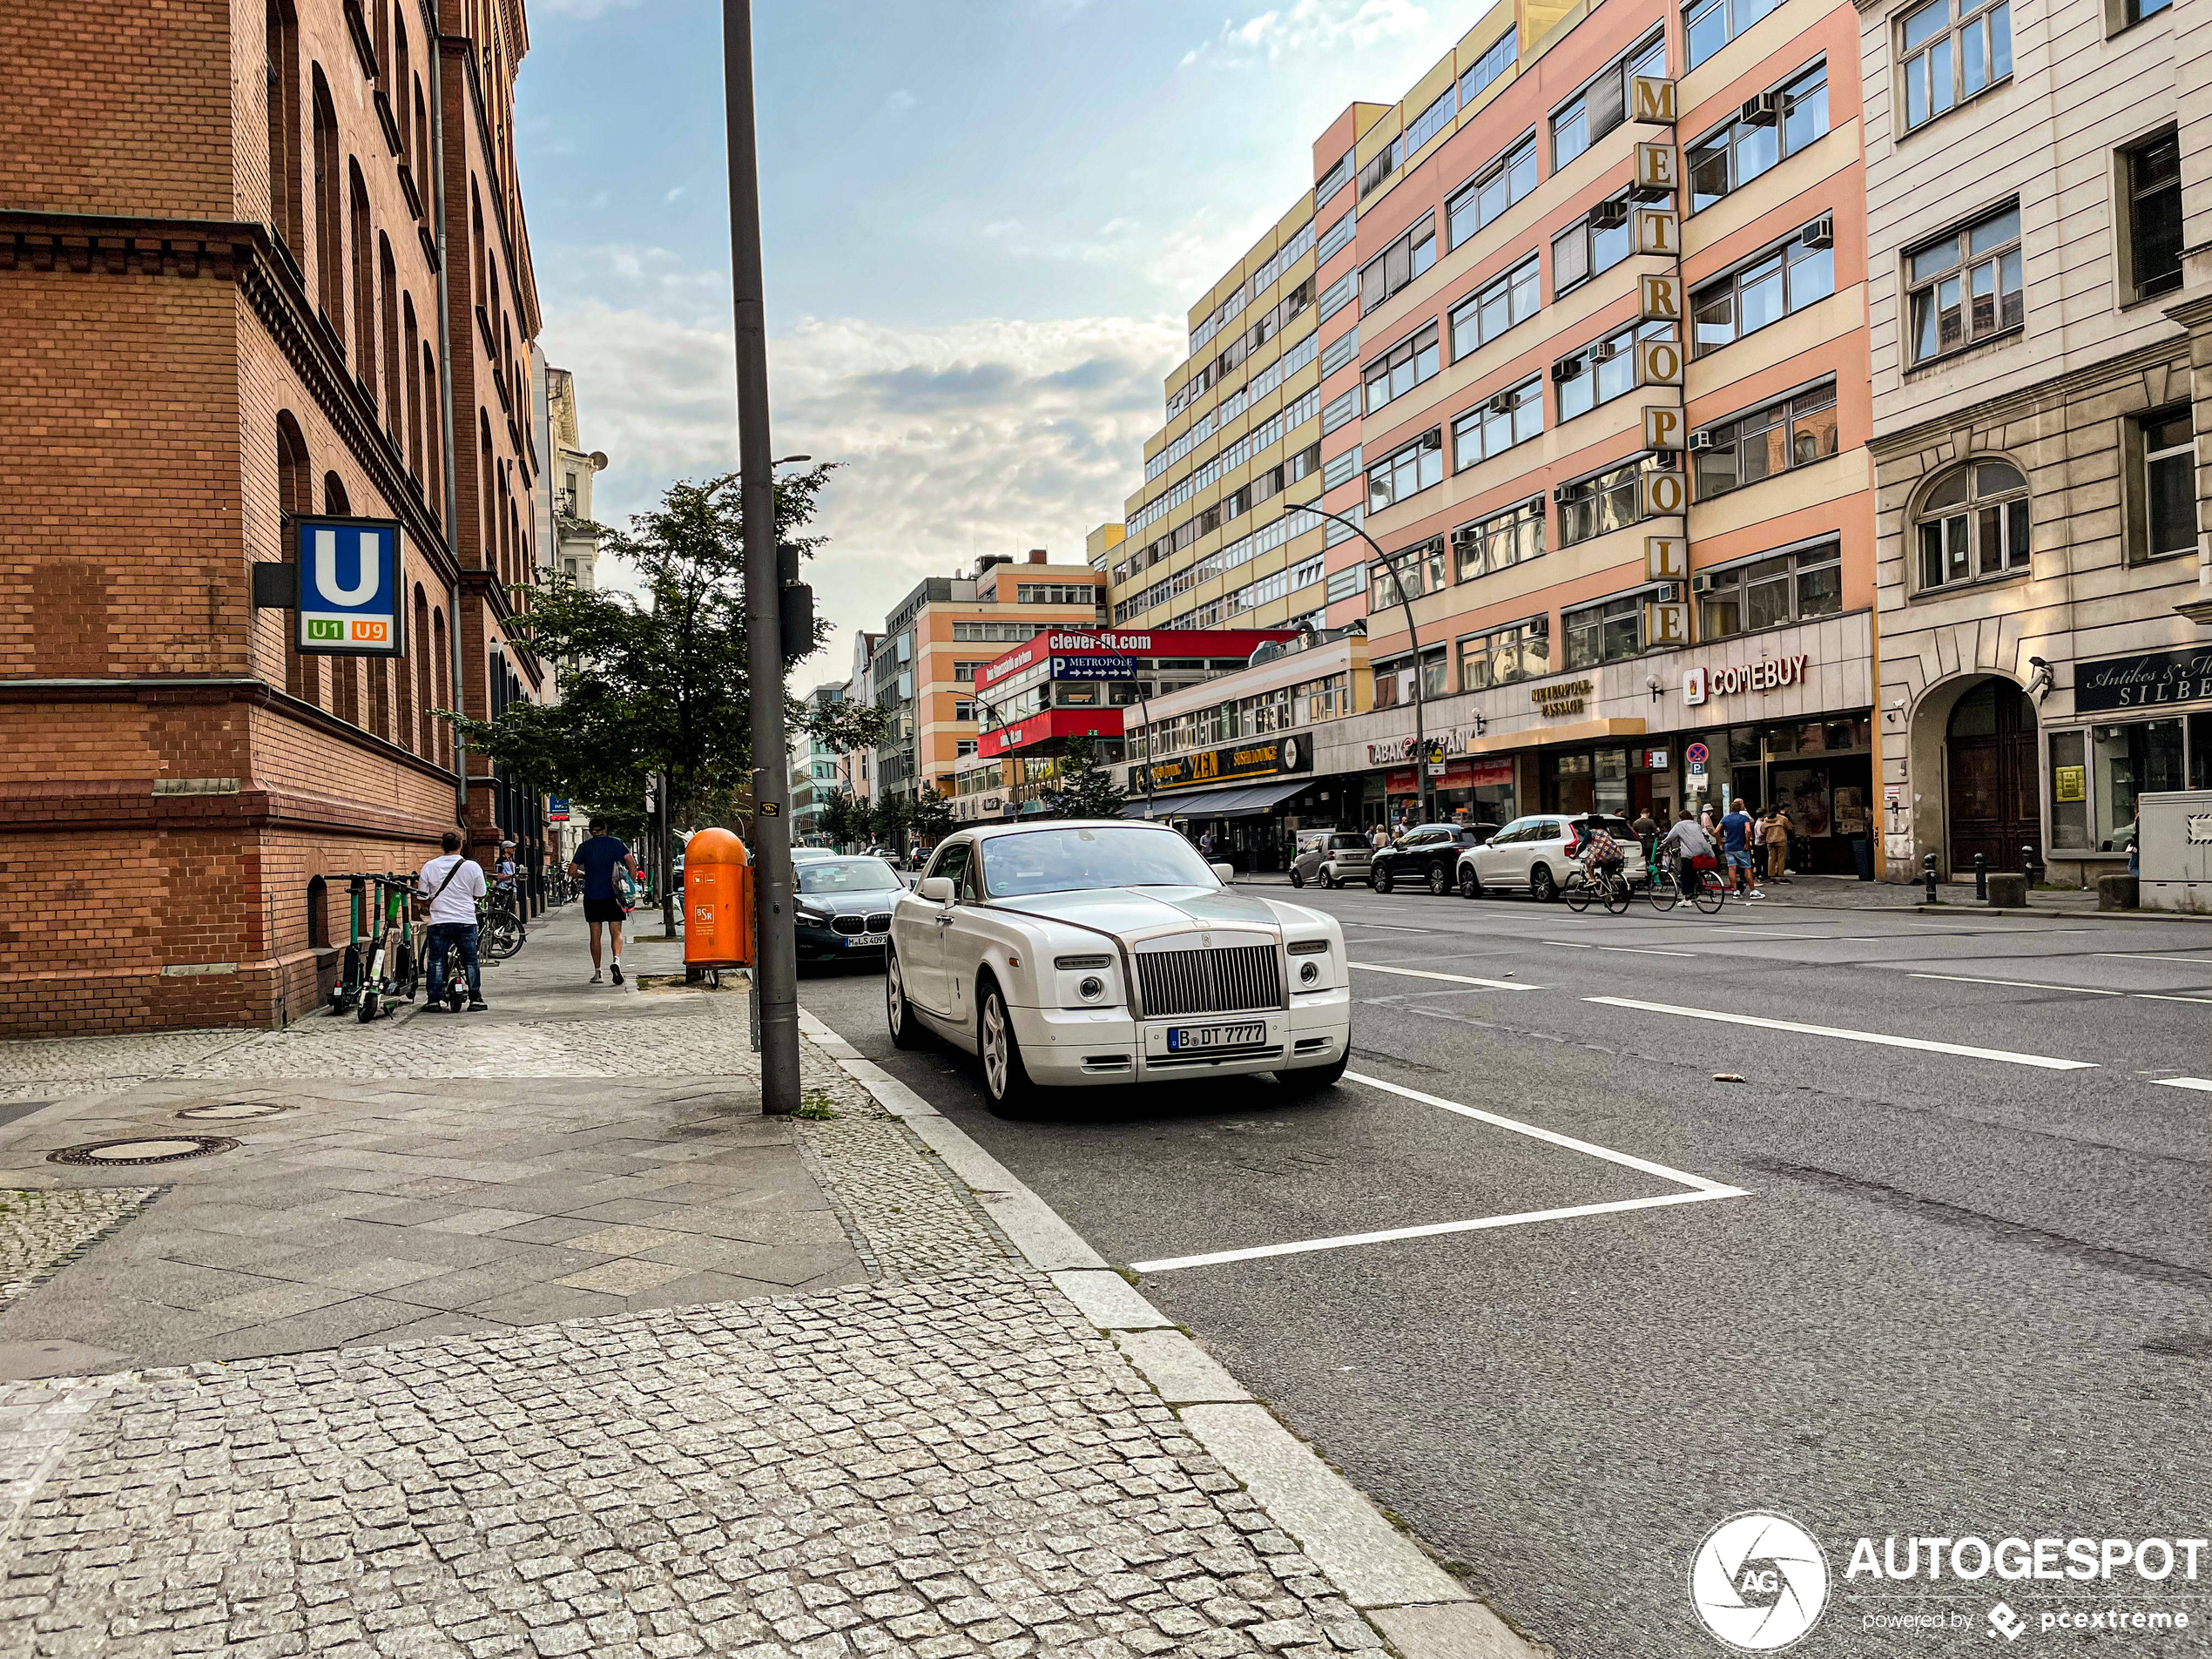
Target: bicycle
[1709, 892]
[499, 929]
[1606, 884]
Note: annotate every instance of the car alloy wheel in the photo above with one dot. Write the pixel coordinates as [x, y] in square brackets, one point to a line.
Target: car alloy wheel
[1298, 878]
[1006, 1080]
[1379, 881]
[1470, 883]
[906, 1030]
[1439, 880]
[1543, 886]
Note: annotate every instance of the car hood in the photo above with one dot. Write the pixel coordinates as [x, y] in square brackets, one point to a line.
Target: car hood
[837, 903]
[1133, 913]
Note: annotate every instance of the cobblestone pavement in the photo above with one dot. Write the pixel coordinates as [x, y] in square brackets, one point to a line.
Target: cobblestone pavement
[948, 1460]
[41, 1232]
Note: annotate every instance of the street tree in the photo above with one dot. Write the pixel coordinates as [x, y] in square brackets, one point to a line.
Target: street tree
[1082, 785]
[657, 684]
[845, 819]
[930, 818]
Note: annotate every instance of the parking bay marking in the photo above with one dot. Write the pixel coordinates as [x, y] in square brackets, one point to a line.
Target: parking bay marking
[2045, 1061]
[1455, 979]
[1701, 1190]
[2079, 990]
[1631, 950]
[2204, 1083]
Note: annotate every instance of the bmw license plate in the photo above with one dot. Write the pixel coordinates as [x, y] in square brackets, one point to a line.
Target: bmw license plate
[1189, 1038]
[854, 942]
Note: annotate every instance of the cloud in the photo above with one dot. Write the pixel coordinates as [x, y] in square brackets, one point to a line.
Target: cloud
[1182, 260]
[1309, 26]
[900, 101]
[988, 436]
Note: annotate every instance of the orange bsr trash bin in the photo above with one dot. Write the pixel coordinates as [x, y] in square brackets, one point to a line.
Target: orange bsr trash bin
[717, 901]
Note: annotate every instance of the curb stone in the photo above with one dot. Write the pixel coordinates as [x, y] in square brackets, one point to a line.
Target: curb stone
[1412, 1603]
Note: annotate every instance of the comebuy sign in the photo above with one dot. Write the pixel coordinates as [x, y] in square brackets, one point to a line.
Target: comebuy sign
[1157, 642]
[1768, 674]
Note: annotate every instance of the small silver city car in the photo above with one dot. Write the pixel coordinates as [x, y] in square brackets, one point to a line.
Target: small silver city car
[1330, 858]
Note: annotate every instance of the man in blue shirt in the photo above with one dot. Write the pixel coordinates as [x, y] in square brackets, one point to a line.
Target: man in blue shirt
[595, 865]
[1736, 841]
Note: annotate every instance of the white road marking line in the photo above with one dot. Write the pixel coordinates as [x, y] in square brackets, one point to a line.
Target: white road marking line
[2138, 956]
[2204, 1083]
[1455, 979]
[2082, 990]
[1393, 927]
[2045, 1061]
[1626, 1159]
[1171, 1263]
[1632, 950]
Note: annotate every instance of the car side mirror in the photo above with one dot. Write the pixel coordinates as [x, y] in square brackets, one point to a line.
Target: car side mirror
[938, 890]
[1226, 872]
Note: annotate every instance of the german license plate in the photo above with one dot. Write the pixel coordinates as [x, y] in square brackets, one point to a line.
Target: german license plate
[858, 940]
[1187, 1039]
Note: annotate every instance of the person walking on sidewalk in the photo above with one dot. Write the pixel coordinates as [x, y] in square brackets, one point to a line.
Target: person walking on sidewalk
[452, 884]
[1774, 831]
[595, 865]
[1736, 841]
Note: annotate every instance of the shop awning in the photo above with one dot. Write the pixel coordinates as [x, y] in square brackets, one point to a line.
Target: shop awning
[1245, 801]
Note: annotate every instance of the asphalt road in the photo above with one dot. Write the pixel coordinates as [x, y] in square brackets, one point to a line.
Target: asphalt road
[1960, 1293]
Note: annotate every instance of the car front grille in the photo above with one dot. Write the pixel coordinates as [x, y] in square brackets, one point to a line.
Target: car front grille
[879, 921]
[1209, 981]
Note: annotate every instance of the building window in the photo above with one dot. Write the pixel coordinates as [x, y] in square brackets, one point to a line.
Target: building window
[1398, 264]
[1787, 587]
[1973, 525]
[1952, 50]
[1494, 308]
[2137, 11]
[1605, 633]
[1419, 568]
[1496, 59]
[1800, 273]
[1505, 655]
[1336, 238]
[1771, 126]
[2152, 173]
[1496, 188]
[1394, 680]
[964, 709]
[964, 673]
[1603, 503]
[1596, 242]
[1602, 106]
[1710, 24]
[1408, 471]
[1965, 288]
[1053, 593]
[1603, 370]
[2168, 485]
[1793, 432]
[1514, 415]
[963, 747]
[1338, 294]
[1343, 584]
[1399, 370]
[1499, 541]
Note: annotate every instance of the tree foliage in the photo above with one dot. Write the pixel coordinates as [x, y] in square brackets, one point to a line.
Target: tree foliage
[1082, 785]
[845, 819]
[841, 727]
[930, 818]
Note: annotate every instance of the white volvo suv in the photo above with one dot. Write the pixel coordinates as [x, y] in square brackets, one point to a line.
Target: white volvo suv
[1068, 955]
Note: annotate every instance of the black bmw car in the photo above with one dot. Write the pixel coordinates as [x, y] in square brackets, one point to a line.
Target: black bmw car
[845, 907]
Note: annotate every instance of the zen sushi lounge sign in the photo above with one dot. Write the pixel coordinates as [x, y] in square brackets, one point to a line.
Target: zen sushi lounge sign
[2146, 682]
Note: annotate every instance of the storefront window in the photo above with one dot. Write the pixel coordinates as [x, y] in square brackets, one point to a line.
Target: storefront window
[1612, 780]
[2200, 752]
[2069, 792]
[1569, 786]
[2125, 761]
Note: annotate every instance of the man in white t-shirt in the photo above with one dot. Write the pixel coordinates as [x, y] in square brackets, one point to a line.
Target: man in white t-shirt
[452, 884]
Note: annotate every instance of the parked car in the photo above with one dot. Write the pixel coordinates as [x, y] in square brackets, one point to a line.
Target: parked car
[799, 854]
[1088, 953]
[844, 908]
[1330, 858]
[1428, 856]
[1538, 854]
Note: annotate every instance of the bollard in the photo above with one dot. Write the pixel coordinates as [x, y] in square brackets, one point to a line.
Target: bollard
[1927, 867]
[1981, 879]
[2031, 866]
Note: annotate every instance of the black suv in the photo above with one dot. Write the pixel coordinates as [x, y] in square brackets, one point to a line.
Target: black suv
[1429, 856]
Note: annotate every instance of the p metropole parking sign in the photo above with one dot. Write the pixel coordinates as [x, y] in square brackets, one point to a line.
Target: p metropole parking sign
[350, 585]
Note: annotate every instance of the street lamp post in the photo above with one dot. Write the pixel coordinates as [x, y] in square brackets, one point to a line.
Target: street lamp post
[1420, 730]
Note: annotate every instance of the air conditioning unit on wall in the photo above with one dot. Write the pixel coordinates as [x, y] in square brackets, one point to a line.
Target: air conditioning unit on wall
[1763, 111]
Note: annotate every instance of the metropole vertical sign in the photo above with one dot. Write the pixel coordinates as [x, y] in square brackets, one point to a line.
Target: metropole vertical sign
[349, 586]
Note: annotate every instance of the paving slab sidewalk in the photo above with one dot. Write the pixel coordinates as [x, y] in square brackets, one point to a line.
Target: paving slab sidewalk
[523, 1333]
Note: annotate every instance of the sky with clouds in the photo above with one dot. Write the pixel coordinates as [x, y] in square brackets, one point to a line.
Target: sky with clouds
[984, 220]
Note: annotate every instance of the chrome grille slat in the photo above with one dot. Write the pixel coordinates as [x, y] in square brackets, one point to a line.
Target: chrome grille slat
[1209, 981]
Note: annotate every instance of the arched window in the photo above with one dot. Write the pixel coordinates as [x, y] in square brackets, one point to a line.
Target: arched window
[334, 500]
[380, 695]
[422, 157]
[330, 229]
[412, 350]
[402, 74]
[442, 664]
[381, 33]
[295, 497]
[388, 282]
[488, 549]
[423, 739]
[317, 912]
[281, 39]
[1972, 524]
[364, 282]
[433, 434]
[476, 247]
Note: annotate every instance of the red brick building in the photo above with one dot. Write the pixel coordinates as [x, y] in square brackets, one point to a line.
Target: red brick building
[257, 258]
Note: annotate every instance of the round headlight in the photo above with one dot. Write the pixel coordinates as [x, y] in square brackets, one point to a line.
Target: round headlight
[1092, 988]
[1309, 972]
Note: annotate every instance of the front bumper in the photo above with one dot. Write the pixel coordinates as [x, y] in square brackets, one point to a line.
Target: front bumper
[1078, 1048]
[824, 944]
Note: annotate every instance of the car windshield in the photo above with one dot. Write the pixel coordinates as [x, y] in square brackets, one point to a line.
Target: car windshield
[847, 875]
[1075, 859]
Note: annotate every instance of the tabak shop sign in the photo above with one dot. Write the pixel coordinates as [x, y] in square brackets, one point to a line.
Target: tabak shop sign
[2145, 682]
[1769, 674]
[1392, 751]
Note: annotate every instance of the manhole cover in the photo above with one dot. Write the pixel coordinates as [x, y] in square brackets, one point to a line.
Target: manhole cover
[229, 1108]
[162, 1151]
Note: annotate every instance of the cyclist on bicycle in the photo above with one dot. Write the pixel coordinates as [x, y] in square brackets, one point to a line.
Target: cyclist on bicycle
[1600, 854]
[453, 883]
[1690, 843]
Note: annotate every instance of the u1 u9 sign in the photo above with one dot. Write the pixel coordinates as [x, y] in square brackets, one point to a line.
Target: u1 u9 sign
[350, 587]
